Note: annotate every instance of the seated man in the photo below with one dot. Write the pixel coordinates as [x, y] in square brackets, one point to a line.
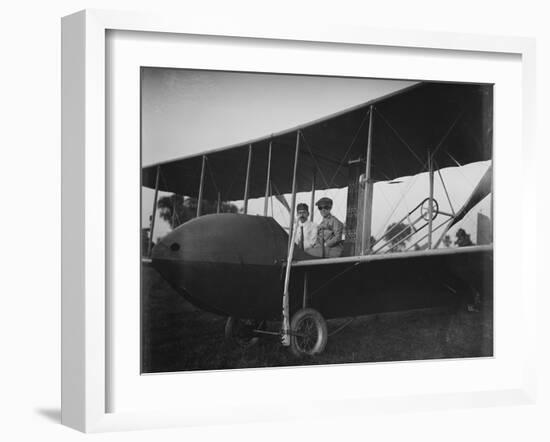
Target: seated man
[306, 230]
[329, 234]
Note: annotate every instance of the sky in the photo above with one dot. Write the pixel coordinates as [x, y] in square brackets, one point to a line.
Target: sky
[186, 112]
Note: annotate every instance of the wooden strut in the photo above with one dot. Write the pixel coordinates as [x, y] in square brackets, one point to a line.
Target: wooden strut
[267, 180]
[201, 186]
[293, 200]
[247, 182]
[153, 216]
[446, 192]
[492, 201]
[312, 196]
[271, 197]
[430, 208]
[285, 338]
[368, 193]
[173, 211]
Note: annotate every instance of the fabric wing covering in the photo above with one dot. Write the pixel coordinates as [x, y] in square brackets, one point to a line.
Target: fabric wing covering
[452, 121]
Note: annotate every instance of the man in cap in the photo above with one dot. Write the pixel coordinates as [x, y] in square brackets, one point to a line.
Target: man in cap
[329, 234]
[306, 230]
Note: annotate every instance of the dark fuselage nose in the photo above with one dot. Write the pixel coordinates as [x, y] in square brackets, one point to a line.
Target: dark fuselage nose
[226, 263]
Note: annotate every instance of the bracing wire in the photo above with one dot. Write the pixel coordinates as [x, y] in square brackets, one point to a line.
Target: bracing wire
[459, 168]
[403, 194]
[341, 162]
[347, 269]
[235, 178]
[281, 213]
[399, 136]
[445, 188]
[314, 159]
[211, 175]
[384, 196]
[446, 134]
[349, 148]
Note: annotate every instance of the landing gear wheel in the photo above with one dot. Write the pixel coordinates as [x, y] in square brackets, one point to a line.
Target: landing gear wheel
[309, 332]
[241, 331]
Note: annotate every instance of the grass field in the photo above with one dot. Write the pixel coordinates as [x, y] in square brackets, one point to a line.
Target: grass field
[177, 336]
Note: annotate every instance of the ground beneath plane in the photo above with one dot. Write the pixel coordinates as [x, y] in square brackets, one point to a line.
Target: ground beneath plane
[177, 336]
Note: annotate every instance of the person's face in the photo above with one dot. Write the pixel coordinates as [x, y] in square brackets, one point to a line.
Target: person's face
[302, 215]
[325, 210]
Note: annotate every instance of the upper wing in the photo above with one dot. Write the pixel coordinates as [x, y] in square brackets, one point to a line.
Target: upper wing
[451, 121]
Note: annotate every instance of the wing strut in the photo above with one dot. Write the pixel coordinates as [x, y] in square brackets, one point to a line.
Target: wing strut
[312, 194]
[430, 207]
[267, 179]
[247, 181]
[368, 194]
[286, 308]
[152, 226]
[201, 186]
[293, 200]
[285, 338]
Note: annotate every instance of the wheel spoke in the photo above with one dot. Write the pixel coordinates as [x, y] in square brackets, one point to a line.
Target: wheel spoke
[308, 332]
[308, 335]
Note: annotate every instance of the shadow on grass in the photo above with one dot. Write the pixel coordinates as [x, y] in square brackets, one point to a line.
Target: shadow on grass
[178, 337]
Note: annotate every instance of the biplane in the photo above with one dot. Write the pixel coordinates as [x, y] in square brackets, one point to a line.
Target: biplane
[248, 267]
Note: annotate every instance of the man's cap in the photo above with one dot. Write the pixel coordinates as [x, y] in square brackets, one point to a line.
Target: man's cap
[302, 206]
[324, 202]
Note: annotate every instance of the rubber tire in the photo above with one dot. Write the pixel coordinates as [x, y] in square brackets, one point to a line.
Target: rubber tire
[308, 314]
[232, 326]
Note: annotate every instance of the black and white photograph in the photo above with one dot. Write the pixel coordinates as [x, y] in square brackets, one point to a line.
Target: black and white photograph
[275, 221]
[294, 220]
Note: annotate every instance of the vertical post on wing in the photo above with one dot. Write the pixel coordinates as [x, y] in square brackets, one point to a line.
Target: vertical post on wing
[267, 180]
[430, 207]
[285, 338]
[201, 186]
[312, 196]
[174, 212]
[293, 201]
[368, 193]
[492, 193]
[153, 216]
[247, 182]
[286, 296]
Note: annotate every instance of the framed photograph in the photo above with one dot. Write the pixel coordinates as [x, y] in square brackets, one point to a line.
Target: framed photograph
[291, 223]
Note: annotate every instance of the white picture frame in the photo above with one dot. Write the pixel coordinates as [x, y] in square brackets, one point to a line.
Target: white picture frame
[86, 314]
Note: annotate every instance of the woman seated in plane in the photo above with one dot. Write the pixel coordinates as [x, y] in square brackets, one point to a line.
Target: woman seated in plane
[329, 242]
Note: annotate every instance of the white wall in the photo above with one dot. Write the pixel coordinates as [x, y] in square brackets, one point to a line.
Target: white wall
[30, 183]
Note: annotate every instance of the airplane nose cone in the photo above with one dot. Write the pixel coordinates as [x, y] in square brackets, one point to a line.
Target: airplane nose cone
[226, 263]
